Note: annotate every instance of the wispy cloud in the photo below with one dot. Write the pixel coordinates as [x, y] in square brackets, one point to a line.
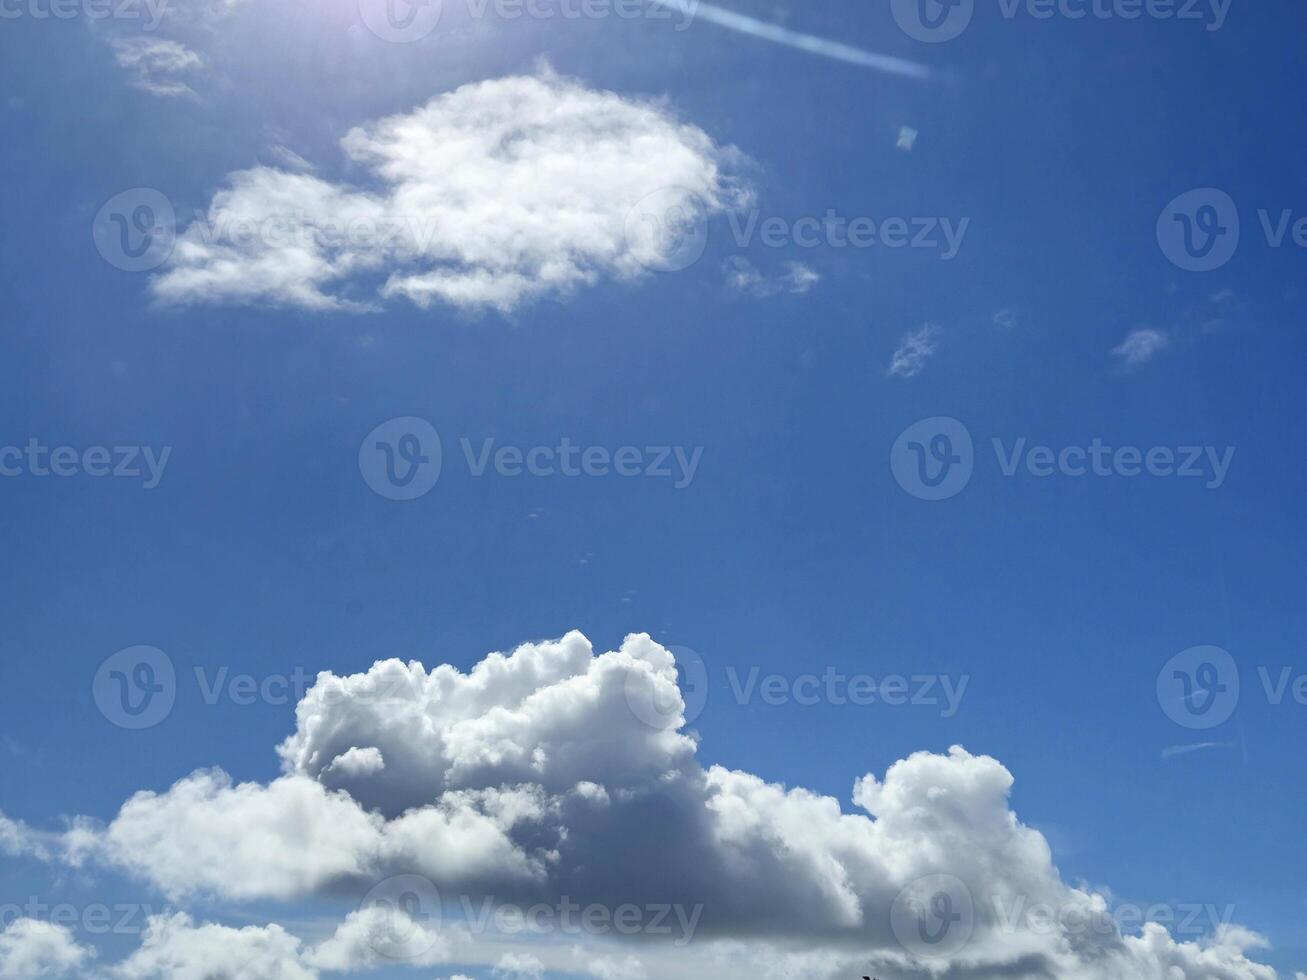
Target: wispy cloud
[1006, 318]
[915, 349]
[1140, 346]
[164, 50]
[824, 47]
[745, 277]
[1172, 751]
[157, 65]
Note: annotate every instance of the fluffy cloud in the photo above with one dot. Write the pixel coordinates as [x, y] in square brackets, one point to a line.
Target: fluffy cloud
[554, 773]
[206, 835]
[19, 840]
[174, 948]
[15, 838]
[32, 950]
[367, 935]
[488, 197]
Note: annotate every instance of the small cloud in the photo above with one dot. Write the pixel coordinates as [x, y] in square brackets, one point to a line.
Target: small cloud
[289, 159]
[169, 55]
[915, 349]
[907, 139]
[519, 966]
[156, 65]
[1005, 318]
[745, 277]
[1140, 346]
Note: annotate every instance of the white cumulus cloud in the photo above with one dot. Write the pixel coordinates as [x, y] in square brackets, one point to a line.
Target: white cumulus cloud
[175, 948]
[488, 197]
[541, 774]
[36, 950]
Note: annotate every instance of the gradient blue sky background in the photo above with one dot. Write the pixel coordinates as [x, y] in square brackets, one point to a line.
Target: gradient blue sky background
[794, 549]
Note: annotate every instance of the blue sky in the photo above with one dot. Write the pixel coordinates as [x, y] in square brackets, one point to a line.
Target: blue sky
[793, 549]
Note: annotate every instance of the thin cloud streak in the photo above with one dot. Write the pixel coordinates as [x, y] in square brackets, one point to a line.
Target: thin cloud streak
[804, 42]
[1173, 751]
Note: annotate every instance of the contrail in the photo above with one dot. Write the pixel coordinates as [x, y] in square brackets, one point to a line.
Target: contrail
[804, 42]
